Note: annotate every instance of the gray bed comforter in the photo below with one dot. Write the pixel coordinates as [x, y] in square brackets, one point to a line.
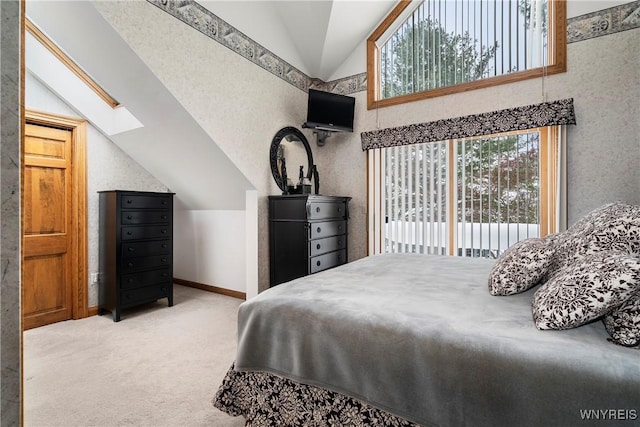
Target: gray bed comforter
[420, 336]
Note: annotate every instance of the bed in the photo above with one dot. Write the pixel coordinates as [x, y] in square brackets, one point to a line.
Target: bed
[407, 339]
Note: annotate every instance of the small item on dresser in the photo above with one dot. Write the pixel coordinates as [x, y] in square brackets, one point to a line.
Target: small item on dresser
[316, 179]
[304, 184]
[291, 188]
[283, 170]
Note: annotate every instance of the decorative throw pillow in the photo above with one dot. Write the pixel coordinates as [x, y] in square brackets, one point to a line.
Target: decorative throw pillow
[591, 287]
[612, 227]
[521, 266]
[623, 324]
[619, 234]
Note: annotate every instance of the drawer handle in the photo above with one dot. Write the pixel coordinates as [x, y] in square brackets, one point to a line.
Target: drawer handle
[164, 217]
[339, 228]
[164, 202]
[164, 246]
[130, 281]
[165, 274]
[318, 263]
[129, 201]
[129, 217]
[339, 209]
[318, 246]
[339, 242]
[319, 230]
[163, 231]
[130, 249]
[340, 258]
[129, 233]
[163, 260]
[318, 209]
[130, 264]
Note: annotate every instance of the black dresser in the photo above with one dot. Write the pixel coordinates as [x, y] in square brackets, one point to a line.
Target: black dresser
[136, 249]
[307, 234]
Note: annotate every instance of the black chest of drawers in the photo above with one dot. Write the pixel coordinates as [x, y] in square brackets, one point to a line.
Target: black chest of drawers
[136, 249]
[307, 234]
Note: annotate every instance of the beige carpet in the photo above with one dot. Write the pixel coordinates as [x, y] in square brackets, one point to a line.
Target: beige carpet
[158, 366]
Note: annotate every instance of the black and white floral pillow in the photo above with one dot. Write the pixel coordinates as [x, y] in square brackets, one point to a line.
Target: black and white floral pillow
[589, 288]
[521, 266]
[623, 323]
[611, 227]
[620, 234]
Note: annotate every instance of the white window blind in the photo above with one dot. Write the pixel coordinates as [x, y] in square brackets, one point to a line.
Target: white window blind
[467, 197]
[469, 185]
[445, 43]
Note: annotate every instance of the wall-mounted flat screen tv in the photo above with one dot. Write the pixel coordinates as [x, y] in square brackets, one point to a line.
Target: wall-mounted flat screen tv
[330, 111]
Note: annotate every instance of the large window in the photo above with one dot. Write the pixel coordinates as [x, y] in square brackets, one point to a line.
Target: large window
[467, 197]
[432, 47]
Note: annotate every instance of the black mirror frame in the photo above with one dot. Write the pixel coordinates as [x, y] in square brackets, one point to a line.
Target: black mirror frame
[273, 154]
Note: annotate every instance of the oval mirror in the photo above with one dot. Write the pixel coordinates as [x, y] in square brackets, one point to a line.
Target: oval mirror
[290, 150]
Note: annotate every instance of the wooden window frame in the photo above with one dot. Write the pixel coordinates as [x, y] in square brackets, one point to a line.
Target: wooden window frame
[558, 61]
[549, 175]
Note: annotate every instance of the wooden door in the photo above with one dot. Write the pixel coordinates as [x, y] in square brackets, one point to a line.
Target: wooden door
[48, 235]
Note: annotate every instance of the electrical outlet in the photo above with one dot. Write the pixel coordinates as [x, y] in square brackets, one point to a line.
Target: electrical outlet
[95, 277]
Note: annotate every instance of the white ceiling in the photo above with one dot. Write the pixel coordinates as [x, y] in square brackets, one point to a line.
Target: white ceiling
[315, 36]
[318, 36]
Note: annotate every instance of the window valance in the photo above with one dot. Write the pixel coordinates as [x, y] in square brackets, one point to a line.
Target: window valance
[521, 118]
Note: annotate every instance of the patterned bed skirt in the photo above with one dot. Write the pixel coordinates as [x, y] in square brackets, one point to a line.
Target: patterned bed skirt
[266, 399]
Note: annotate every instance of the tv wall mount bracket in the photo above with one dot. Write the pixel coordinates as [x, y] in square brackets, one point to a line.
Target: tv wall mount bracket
[321, 134]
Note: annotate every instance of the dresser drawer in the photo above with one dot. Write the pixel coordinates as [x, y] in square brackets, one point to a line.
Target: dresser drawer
[328, 244]
[146, 278]
[145, 262]
[145, 217]
[136, 201]
[152, 247]
[326, 210]
[149, 293]
[148, 232]
[332, 259]
[320, 230]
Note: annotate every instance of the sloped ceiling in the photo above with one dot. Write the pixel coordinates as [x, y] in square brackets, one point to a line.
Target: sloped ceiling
[315, 36]
[170, 135]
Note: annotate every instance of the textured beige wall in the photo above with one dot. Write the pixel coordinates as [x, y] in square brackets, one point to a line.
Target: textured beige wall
[603, 151]
[604, 148]
[241, 106]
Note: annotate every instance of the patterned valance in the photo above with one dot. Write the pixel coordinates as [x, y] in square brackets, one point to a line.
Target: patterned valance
[521, 118]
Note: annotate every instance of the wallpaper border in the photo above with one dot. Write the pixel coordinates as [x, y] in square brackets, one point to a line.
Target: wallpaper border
[604, 22]
[608, 21]
[201, 19]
